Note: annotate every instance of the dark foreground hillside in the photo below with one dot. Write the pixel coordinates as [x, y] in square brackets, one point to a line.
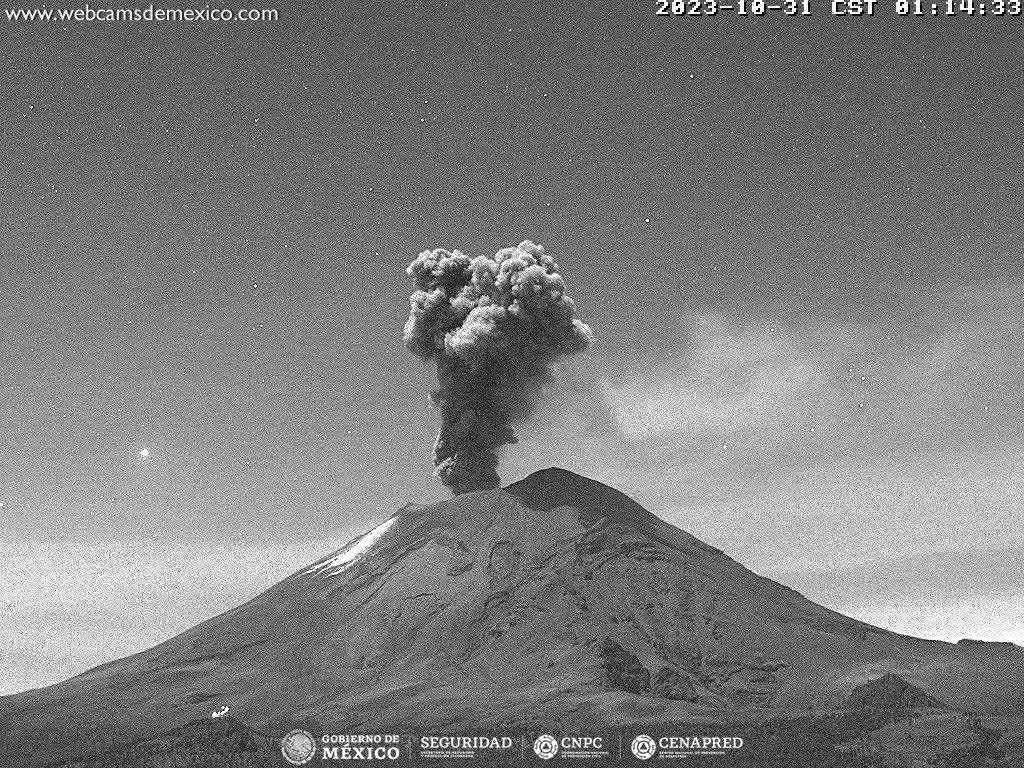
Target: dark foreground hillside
[220, 743]
[842, 740]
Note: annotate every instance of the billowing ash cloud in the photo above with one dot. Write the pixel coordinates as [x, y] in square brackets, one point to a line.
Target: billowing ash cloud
[494, 327]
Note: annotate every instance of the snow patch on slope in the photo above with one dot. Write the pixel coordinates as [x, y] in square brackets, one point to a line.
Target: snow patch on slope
[344, 557]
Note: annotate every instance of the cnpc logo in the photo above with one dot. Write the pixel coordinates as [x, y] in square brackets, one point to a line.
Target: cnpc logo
[547, 746]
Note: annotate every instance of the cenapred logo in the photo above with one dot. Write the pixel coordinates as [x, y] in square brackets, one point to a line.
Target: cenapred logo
[545, 746]
[643, 747]
[298, 747]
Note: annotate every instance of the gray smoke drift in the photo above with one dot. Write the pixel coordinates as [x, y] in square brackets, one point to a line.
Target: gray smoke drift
[494, 327]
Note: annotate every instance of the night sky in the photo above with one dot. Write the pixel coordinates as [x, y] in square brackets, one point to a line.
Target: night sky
[797, 241]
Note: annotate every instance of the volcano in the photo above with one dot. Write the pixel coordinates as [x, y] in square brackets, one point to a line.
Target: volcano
[555, 599]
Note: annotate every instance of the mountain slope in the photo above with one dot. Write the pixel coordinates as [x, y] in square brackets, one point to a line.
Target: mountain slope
[532, 603]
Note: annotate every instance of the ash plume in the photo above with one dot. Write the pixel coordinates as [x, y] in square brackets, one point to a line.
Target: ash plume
[494, 327]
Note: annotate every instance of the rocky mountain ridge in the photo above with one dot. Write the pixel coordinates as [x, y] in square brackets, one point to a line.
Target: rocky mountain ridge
[556, 599]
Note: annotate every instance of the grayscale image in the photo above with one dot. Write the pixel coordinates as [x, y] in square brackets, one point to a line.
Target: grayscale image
[512, 383]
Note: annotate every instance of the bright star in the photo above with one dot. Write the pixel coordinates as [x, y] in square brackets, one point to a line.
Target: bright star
[144, 453]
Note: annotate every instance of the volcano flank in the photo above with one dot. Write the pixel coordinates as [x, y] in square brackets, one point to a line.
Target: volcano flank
[555, 599]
